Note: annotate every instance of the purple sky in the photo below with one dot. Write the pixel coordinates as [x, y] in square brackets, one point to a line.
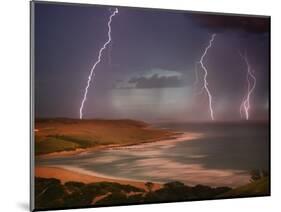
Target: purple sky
[148, 71]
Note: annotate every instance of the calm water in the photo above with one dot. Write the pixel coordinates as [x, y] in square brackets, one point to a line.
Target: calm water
[222, 156]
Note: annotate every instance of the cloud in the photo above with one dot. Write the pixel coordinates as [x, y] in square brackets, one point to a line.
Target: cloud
[157, 81]
[220, 23]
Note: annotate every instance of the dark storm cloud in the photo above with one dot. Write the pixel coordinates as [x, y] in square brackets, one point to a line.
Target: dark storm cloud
[156, 81]
[243, 23]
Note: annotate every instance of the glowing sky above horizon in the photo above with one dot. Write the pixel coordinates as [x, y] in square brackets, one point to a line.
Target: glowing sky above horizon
[148, 71]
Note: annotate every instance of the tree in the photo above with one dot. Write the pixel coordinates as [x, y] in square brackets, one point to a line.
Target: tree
[258, 174]
[149, 186]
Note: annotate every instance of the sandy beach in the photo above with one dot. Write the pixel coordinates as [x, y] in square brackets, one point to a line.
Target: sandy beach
[67, 175]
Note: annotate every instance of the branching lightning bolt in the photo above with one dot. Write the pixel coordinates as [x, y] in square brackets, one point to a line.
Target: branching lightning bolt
[251, 81]
[206, 74]
[97, 62]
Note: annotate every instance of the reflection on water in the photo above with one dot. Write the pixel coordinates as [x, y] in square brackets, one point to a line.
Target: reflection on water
[222, 156]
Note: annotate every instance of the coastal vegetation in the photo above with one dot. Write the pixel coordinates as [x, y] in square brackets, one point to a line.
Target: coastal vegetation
[51, 193]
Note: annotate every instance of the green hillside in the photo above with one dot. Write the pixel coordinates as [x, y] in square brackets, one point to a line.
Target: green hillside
[256, 188]
[54, 135]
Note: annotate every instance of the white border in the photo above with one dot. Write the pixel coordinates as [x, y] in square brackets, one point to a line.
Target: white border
[14, 76]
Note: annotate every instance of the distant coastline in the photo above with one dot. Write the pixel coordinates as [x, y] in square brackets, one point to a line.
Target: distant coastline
[62, 137]
[176, 137]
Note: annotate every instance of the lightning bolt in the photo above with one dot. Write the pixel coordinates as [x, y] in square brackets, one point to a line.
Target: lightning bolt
[109, 53]
[92, 74]
[205, 86]
[197, 79]
[251, 81]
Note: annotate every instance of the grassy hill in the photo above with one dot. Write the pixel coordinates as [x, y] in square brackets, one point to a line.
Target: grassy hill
[256, 188]
[54, 135]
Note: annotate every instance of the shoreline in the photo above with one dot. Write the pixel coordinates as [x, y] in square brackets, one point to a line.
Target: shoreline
[66, 174]
[174, 137]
